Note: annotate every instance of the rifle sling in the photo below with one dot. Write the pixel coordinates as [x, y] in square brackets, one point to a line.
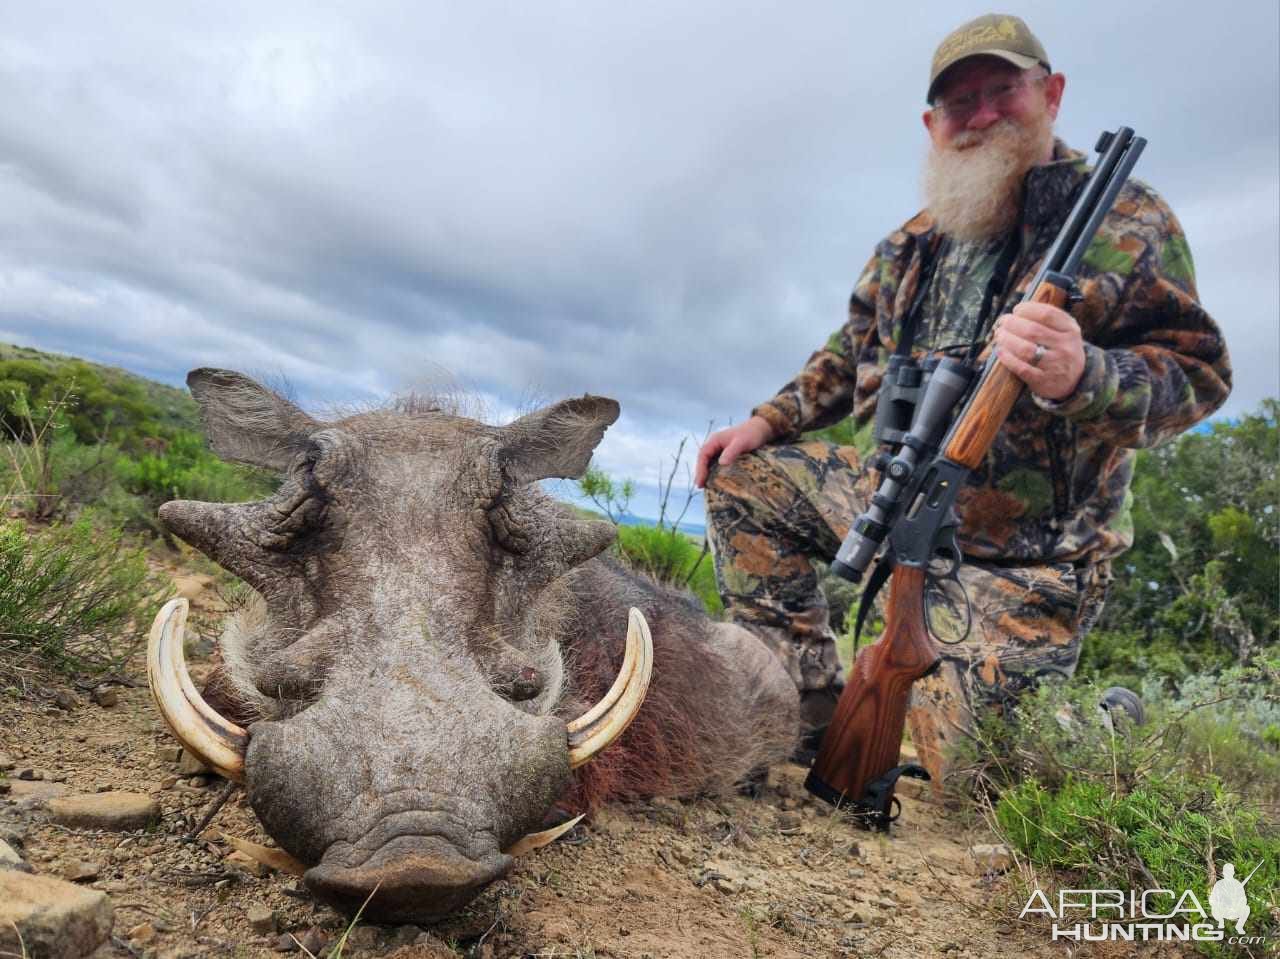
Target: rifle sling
[879, 576]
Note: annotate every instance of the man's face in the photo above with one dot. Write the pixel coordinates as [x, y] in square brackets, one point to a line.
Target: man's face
[981, 91]
[989, 125]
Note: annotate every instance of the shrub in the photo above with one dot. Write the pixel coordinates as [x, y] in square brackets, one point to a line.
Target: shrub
[1096, 807]
[185, 469]
[670, 556]
[75, 596]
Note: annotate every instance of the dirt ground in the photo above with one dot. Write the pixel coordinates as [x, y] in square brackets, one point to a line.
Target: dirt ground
[779, 876]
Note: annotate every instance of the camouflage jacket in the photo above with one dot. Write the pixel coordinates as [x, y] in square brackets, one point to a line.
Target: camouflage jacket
[1055, 485]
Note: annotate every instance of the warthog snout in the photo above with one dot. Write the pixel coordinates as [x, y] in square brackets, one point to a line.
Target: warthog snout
[409, 776]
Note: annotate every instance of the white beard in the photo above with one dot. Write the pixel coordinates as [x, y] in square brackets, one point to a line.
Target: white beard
[973, 186]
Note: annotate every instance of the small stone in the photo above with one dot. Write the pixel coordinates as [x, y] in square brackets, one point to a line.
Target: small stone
[78, 870]
[65, 700]
[990, 858]
[6, 762]
[117, 811]
[4, 787]
[284, 943]
[9, 858]
[168, 782]
[363, 937]
[106, 696]
[246, 864]
[29, 774]
[262, 919]
[314, 940]
[189, 765]
[168, 753]
[55, 777]
[141, 934]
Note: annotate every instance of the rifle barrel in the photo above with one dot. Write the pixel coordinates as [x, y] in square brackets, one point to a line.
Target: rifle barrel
[1117, 179]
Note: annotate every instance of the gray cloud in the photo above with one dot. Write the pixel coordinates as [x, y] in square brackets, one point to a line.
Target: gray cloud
[666, 204]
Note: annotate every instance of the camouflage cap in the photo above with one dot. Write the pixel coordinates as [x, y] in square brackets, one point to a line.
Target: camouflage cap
[993, 35]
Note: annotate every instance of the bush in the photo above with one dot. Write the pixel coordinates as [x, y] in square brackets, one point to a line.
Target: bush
[1198, 589]
[1093, 807]
[75, 596]
[670, 556]
[184, 468]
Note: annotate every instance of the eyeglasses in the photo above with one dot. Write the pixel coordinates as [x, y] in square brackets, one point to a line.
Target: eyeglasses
[1000, 95]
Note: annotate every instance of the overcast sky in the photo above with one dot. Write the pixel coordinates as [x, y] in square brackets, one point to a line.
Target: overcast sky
[665, 202]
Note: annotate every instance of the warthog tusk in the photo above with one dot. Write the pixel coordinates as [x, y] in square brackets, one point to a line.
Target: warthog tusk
[218, 742]
[604, 722]
[276, 859]
[536, 840]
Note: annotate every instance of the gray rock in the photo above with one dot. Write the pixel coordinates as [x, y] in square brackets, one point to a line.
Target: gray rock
[115, 811]
[6, 762]
[990, 858]
[190, 765]
[168, 753]
[79, 870]
[106, 696]
[35, 793]
[9, 858]
[55, 919]
[66, 700]
[262, 919]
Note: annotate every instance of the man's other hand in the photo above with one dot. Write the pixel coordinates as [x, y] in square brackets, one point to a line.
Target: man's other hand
[1052, 333]
[731, 443]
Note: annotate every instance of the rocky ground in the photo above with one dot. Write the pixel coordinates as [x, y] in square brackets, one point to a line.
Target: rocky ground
[98, 805]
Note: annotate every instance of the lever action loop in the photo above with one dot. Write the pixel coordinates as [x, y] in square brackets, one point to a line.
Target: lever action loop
[878, 806]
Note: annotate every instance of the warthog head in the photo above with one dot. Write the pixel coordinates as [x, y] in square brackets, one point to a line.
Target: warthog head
[401, 669]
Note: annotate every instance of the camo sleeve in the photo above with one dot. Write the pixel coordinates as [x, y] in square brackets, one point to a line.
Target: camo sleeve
[1158, 364]
[824, 391]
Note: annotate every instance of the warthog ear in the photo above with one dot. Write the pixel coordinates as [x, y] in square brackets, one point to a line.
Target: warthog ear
[247, 422]
[557, 440]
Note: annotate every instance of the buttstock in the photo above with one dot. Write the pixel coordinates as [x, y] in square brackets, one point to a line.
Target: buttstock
[865, 736]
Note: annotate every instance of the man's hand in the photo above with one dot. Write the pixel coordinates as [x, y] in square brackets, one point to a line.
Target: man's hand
[730, 443]
[1038, 328]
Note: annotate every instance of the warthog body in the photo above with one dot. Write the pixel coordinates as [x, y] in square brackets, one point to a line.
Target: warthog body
[426, 622]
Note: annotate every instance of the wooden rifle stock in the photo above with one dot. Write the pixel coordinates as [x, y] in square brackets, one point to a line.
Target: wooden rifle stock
[865, 736]
[857, 764]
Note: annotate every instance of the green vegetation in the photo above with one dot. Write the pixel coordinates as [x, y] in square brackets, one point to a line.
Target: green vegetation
[1197, 591]
[661, 551]
[1092, 806]
[74, 435]
[73, 595]
[87, 454]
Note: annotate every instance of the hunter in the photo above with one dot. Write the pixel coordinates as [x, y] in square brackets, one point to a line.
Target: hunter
[1134, 363]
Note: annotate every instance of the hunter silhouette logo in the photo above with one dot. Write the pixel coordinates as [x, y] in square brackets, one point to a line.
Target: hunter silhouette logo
[1227, 899]
[1143, 915]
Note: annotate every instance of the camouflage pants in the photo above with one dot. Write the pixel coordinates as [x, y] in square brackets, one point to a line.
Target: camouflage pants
[773, 509]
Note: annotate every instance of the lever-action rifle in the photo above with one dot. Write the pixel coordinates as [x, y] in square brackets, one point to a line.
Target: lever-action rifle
[914, 510]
